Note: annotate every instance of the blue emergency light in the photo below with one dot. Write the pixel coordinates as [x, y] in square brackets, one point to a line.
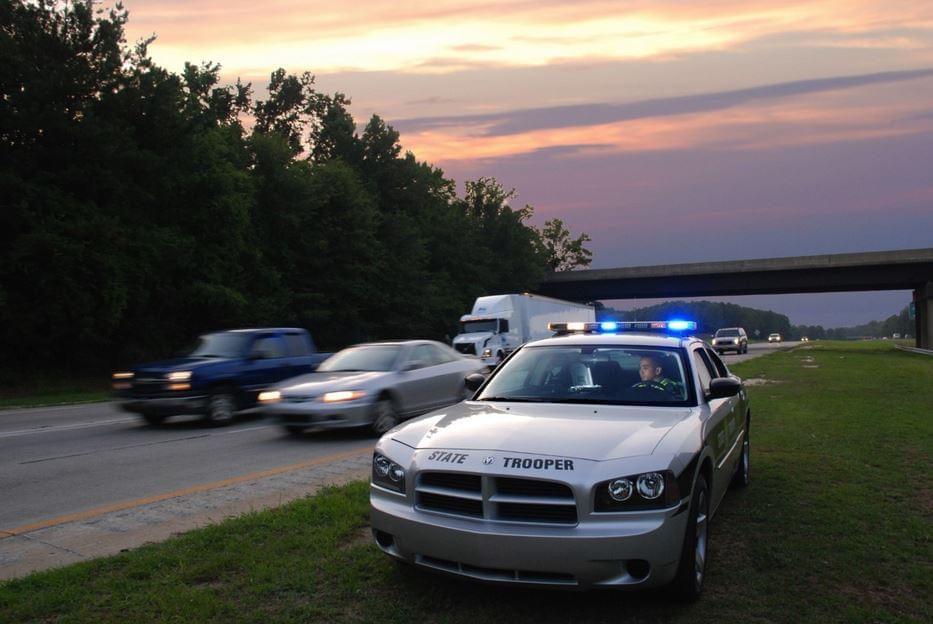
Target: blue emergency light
[608, 327]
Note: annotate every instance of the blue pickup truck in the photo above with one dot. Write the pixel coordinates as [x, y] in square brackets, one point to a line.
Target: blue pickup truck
[221, 376]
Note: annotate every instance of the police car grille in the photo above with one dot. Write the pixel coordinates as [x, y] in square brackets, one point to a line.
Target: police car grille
[532, 487]
[450, 504]
[453, 480]
[503, 498]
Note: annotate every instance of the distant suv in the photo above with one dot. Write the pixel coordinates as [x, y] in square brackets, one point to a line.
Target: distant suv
[774, 338]
[730, 339]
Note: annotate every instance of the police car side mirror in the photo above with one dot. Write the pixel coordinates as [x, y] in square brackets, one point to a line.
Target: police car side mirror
[723, 387]
[474, 381]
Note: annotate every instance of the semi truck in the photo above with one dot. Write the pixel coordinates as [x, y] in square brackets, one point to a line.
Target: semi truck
[499, 324]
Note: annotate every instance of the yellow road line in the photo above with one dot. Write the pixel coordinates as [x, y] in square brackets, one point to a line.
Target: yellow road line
[99, 511]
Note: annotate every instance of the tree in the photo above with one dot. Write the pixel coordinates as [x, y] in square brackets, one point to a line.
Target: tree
[563, 253]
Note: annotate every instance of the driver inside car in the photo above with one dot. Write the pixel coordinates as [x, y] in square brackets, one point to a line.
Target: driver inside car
[652, 376]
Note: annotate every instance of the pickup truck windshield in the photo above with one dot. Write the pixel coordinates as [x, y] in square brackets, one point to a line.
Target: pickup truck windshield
[727, 333]
[605, 374]
[222, 345]
[368, 358]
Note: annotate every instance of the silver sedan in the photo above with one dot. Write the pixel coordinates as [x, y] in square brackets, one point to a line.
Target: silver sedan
[375, 384]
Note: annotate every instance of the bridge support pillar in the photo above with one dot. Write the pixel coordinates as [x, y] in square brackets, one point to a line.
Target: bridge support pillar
[923, 306]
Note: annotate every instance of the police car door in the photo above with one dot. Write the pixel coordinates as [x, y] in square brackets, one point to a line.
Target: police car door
[717, 428]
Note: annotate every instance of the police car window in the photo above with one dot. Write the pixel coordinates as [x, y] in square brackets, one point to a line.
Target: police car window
[721, 370]
[704, 369]
[270, 346]
[608, 374]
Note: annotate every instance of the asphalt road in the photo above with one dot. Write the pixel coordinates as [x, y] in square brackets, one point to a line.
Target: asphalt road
[62, 460]
[57, 461]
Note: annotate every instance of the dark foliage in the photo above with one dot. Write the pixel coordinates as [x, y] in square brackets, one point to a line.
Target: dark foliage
[136, 210]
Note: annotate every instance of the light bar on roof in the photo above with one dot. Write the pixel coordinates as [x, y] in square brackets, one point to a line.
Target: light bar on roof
[608, 327]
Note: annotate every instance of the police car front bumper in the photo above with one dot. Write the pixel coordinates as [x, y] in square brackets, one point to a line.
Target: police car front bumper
[633, 550]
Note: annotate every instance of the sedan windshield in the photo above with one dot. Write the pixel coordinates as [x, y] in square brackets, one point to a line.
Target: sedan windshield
[603, 374]
[222, 345]
[364, 358]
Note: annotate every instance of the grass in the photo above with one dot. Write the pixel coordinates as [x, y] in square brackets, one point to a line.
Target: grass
[836, 527]
[16, 391]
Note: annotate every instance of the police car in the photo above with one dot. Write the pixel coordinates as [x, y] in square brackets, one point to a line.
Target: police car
[595, 458]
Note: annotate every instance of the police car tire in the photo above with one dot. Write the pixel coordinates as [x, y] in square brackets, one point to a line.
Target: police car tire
[688, 583]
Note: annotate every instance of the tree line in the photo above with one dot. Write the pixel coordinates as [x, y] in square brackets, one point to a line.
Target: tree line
[139, 207]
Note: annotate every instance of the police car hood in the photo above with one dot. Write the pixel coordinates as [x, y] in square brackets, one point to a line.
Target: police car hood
[595, 432]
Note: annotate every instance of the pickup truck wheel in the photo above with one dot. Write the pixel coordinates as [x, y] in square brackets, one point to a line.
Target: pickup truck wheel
[691, 572]
[153, 419]
[221, 406]
[384, 415]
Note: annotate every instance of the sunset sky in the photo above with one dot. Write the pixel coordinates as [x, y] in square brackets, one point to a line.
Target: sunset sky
[670, 131]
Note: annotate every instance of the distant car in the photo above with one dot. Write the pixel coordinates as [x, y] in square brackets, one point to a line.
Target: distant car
[730, 339]
[896, 336]
[374, 384]
[594, 459]
[774, 338]
[804, 339]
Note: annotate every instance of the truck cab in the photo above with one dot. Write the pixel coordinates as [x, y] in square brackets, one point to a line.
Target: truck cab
[221, 375]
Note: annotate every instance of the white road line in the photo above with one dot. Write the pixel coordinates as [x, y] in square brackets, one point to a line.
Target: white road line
[56, 428]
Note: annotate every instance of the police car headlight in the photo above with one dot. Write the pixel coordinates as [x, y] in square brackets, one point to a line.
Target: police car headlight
[388, 474]
[621, 490]
[641, 492]
[651, 485]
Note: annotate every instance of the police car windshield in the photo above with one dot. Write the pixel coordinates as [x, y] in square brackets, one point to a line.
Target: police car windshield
[363, 358]
[598, 374]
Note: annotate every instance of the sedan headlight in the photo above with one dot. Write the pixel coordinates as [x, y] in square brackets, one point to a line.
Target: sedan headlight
[388, 474]
[270, 396]
[342, 395]
[650, 490]
[179, 376]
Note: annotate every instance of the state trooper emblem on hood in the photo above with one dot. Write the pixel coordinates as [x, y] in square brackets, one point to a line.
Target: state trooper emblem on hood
[489, 460]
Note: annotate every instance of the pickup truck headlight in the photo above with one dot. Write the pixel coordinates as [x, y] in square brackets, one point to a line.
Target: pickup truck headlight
[123, 375]
[122, 381]
[179, 376]
[735, 341]
[650, 490]
[388, 474]
[342, 395]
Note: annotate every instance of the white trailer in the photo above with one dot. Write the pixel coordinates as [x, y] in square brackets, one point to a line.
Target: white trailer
[499, 324]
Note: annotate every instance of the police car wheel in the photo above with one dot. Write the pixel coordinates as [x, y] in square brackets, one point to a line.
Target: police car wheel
[384, 415]
[691, 572]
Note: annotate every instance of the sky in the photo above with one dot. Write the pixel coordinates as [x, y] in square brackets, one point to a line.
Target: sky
[670, 131]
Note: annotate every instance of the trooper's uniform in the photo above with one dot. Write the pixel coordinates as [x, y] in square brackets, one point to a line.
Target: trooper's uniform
[660, 383]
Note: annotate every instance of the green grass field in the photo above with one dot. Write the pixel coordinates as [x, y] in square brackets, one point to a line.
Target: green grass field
[37, 391]
[836, 527]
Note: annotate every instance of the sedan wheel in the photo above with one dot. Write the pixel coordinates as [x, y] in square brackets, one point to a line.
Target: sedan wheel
[221, 407]
[384, 415]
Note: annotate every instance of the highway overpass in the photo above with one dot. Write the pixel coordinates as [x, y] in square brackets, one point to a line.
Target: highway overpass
[906, 269]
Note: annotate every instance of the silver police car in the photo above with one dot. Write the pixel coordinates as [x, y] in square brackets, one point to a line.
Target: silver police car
[374, 384]
[595, 458]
